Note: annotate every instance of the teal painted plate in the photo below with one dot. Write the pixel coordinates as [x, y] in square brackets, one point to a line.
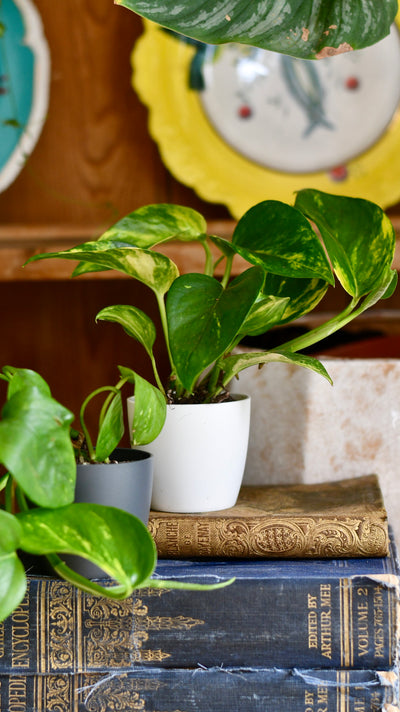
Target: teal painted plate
[24, 85]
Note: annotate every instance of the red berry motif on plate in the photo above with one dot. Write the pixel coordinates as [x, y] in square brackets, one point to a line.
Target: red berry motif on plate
[338, 173]
[352, 83]
[245, 111]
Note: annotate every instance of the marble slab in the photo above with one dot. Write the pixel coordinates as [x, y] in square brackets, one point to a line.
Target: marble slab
[305, 430]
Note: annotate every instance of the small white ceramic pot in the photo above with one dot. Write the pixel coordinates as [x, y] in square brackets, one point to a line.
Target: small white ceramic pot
[200, 455]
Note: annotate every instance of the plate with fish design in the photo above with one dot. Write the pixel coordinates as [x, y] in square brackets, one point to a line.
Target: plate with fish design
[240, 125]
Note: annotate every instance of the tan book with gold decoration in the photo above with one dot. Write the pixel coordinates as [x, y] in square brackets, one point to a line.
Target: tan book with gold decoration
[329, 520]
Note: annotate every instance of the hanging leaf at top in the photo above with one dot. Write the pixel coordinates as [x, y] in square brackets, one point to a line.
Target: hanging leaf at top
[311, 29]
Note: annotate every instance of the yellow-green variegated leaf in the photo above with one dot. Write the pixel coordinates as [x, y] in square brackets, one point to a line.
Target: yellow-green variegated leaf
[114, 540]
[301, 28]
[232, 365]
[111, 428]
[152, 268]
[281, 240]
[150, 409]
[358, 236]
[264, 314]
[12, 575]
[302, 295]
[152, 224]
[134, 322]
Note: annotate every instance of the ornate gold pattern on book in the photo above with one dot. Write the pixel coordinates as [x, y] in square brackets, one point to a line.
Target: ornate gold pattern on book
[102, 694]
[56, 694]
[58, 637]
[115, 633]
[344, 518]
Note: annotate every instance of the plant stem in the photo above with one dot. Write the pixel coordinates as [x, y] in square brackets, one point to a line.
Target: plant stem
[9, 495]
[164, 324]
[117, 592]
[208, 267]
[322, 331]
[227, 272]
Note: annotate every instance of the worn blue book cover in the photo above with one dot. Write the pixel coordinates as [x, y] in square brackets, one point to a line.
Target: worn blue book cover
[203, 690]
[315, 613]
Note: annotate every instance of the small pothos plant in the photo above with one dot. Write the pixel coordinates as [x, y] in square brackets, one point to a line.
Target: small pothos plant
[293, 253]
[38, 514]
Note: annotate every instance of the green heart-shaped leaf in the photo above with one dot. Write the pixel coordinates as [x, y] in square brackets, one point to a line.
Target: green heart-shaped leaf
[111, 429]
[280, 239]
[19, 378]
[232, 365]
[35, 446]
[113, 539]
[150, 409]
[204, 319]
[358, 236]
[301, 28]
[12, 575]
[134, 322]
[152, 268]
[152, 224]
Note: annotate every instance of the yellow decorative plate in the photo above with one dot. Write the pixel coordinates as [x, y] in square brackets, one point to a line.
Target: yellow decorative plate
[241, 125]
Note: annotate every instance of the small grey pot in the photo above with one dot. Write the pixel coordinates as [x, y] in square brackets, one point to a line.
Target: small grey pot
[126, 483]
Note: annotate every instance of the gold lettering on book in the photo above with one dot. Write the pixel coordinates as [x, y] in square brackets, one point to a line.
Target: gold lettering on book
[379, 628]
[320, 621]
[20, 646]
[17, 694]
[308, 701]
[362, 621]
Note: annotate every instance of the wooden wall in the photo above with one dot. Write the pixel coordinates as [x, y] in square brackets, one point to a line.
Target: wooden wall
[93, 163]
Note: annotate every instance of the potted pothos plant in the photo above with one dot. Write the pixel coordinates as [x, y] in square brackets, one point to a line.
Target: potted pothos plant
[290, 268]
[39, 516]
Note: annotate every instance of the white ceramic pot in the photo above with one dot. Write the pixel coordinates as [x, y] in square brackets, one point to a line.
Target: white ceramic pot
[200, 455]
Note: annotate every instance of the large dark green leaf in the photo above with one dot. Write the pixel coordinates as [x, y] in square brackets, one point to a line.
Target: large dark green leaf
[358, 236]
[35, 446]
[152, 268]
[12, 575]
[302, 28]
[111, 538]
[203, 319]
[280, 239]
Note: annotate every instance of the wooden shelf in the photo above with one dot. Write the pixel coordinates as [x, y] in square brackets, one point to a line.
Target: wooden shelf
[19, 242]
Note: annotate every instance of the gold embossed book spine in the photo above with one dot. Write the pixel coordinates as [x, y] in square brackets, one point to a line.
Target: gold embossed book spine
[334, 519]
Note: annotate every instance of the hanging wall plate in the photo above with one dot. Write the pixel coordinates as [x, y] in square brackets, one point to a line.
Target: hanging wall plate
[24, 85]
[241, 125]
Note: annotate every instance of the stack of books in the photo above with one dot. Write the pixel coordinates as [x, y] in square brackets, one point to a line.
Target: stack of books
[310, 634]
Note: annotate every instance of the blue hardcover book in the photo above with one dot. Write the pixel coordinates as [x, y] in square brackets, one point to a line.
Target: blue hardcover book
[201, 690]
[308, 614]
